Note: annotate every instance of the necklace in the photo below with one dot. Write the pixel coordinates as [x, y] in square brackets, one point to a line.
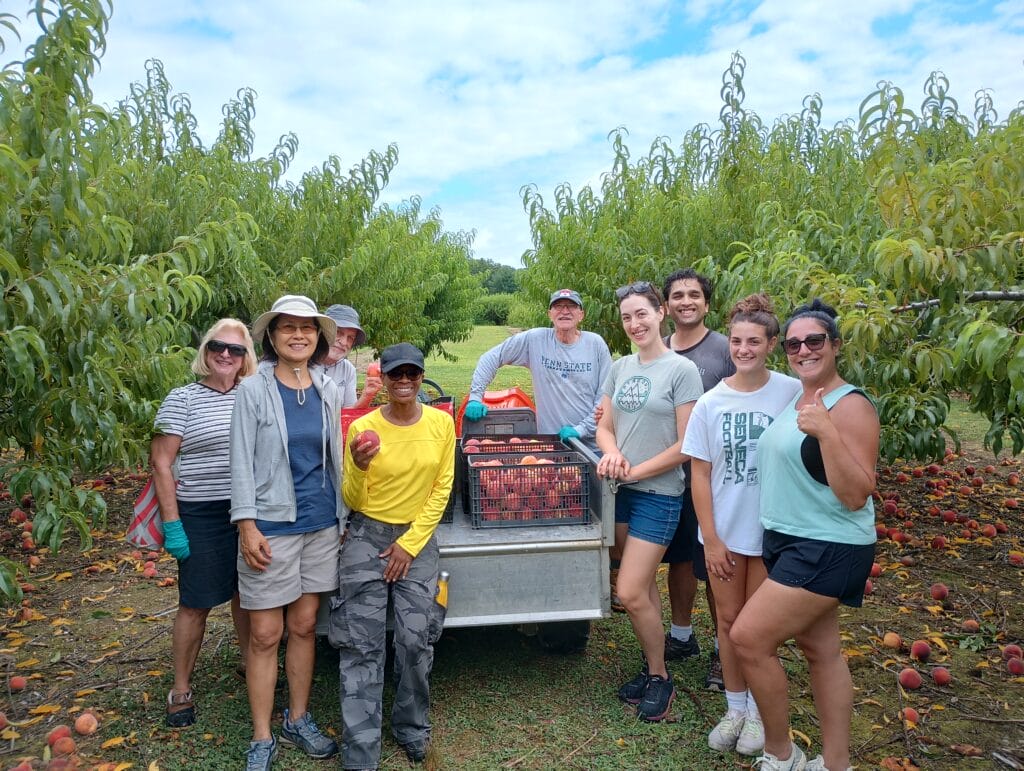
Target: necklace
[300, 395]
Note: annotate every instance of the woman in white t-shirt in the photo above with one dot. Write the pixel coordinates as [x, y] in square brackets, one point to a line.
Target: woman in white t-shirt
[721, 439]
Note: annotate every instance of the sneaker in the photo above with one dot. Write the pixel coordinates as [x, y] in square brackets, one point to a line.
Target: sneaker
[261, 754]
[416, 751]
[613, 578]
[818, 764]
[714, 681]
[633, 691]
[797, 761]
[657, 700]
[307, 737]
[724, 735]
[751, 738]
[677, 649]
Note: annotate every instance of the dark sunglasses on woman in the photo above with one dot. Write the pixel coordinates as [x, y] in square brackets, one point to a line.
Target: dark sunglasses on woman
[405, 373]
[791, 345]
[219, 346]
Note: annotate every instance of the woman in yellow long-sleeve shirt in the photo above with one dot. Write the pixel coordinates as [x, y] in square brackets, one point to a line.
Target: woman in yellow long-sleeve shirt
[398, 470]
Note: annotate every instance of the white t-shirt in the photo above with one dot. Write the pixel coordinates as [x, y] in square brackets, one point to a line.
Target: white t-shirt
[724, 429]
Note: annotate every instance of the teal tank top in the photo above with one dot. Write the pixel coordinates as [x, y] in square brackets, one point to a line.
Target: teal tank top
[795, 497]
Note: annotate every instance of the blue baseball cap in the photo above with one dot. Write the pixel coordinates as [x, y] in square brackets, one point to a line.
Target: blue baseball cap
[566, 294]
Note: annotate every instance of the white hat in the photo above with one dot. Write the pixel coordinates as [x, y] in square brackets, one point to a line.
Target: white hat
[295, 305]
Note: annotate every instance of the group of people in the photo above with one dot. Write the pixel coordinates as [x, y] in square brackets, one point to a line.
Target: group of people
[263, 506]
[756, 482]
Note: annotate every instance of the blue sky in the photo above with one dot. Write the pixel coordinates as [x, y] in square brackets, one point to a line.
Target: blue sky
[482, 98]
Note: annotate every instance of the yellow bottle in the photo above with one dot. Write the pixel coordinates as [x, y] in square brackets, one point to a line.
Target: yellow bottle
[442, 589]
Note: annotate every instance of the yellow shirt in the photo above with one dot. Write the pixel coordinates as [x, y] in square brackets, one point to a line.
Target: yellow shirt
[409, 480]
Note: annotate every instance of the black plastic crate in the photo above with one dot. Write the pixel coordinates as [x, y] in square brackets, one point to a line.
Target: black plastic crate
[508, 493]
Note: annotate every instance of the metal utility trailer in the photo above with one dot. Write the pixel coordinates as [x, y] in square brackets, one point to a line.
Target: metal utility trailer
[551, 580]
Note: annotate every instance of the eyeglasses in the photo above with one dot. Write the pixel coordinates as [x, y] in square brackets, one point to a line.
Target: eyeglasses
[405, 373]
[219, 346]
[791, 345]
[290, 328]
[639, 287]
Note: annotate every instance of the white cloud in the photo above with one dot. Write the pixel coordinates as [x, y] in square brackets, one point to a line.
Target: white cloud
[483, 98]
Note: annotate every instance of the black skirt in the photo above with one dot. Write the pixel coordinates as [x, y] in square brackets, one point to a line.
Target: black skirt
[208, 576]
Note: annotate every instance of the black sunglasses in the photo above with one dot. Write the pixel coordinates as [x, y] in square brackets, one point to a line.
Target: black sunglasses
[219, 346]
[791, 345]
[405, 373]
[639, 287]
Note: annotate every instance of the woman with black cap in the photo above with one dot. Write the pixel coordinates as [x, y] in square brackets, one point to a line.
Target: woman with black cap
[399, 465]
[286, 501]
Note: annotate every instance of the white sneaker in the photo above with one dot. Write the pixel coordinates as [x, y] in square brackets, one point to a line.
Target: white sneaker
[751, 738]
[818, 764]
[724, 735]
[796, 761]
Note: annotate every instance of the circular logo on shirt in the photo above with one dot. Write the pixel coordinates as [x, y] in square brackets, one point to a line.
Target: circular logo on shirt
[633, 394]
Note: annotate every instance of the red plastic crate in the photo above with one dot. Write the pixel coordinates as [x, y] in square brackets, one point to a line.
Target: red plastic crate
[507, 493]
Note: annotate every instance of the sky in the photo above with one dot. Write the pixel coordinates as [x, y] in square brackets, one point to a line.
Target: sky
[482, 98]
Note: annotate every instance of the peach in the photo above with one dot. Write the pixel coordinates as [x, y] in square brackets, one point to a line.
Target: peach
[57, 732]
[869, 588]
[890, 507]
[1015, 666]
[876, 570]
[907, 561]
[989, 531]
[941, 676]
[910, 715]
[3, 721]
[892, 640]
[939, 542]
[1013, 479]
[920, 650]
[149, 573]
[86, 724]
[910, 679]
[949, 516]
[939, 591]
[1012, 651]
[17, 683]
[1010, 503]
[64, 746]
[970, 625]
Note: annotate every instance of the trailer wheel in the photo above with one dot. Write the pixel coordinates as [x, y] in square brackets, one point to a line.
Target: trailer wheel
[429, 390]
[564, 636]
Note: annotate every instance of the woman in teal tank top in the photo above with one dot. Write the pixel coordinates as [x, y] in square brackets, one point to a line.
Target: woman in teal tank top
[817, 463]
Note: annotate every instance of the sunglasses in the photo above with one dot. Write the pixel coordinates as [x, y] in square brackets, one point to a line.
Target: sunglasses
[639, 287]
[219, 346]
[791, 345]
[405, 373]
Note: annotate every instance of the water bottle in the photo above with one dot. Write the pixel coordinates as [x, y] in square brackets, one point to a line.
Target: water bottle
[442, 589]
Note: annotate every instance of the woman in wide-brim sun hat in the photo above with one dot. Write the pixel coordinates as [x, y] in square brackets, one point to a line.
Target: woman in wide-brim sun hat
[286, 501]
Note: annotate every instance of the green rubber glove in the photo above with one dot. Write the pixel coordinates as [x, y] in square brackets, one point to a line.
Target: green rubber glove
[475, 410]
[568, 432]
[175, 540]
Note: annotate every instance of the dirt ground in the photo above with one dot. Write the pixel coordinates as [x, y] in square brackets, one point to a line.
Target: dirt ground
[92, 629]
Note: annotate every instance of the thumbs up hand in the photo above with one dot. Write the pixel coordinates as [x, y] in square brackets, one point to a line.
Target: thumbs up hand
[813, 418]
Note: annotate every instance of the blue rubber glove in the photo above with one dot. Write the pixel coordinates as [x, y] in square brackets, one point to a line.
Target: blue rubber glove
[475, 410]
[175, 540]
[568, 432]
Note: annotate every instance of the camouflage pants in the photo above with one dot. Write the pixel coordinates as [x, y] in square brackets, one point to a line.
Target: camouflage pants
[358, 628]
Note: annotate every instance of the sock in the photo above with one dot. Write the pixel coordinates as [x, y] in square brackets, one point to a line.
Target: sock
[752, 709]
[681, 633]
[736, 701]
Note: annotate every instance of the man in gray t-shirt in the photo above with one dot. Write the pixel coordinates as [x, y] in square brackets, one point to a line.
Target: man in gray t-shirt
[688, 296]
[567, 365]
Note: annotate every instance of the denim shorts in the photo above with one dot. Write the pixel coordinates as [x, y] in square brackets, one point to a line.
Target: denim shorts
[823, 567]
[651, 517]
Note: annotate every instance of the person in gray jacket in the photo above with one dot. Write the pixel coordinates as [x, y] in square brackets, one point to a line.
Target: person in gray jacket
[285, 455]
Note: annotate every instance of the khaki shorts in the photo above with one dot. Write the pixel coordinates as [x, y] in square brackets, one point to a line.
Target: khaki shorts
[304, 563]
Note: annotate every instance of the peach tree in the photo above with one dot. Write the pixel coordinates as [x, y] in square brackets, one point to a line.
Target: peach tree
[907, 221]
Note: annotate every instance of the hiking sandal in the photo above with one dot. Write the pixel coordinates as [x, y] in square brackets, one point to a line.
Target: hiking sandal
[181, 711]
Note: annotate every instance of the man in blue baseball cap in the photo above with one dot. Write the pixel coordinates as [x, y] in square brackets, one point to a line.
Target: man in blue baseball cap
[567, 365]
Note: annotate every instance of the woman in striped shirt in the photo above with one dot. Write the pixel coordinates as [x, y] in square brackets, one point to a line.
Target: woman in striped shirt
[190, 445]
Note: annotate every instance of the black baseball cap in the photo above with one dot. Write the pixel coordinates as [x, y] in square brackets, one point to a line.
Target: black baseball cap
[396, 355]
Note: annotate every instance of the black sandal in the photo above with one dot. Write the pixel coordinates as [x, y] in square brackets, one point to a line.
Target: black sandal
[181, 711]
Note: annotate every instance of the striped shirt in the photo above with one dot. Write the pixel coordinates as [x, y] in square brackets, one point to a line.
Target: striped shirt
[201, 416]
